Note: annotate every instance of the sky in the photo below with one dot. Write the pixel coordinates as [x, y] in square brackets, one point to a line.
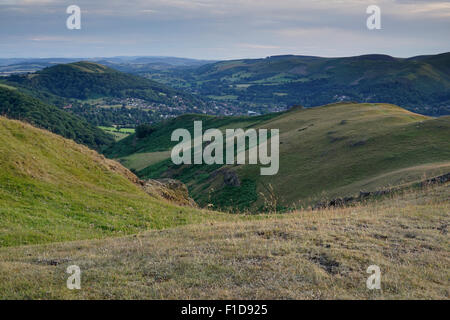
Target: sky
[222, 29]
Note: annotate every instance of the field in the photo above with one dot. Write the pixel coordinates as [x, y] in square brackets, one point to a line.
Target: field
[118, 134]
[302, 255]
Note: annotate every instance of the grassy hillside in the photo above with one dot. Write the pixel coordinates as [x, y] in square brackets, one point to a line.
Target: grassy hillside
[52, 189]
[325, 152]
[159, 139]
[303, 255]
[420, 84]
[16, 105]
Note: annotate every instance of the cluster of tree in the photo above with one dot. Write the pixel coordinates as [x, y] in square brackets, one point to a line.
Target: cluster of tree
[144, 130]
[16, 105]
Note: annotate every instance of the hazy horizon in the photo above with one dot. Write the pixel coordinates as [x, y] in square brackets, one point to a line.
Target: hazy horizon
[130, 57]
[222, 30]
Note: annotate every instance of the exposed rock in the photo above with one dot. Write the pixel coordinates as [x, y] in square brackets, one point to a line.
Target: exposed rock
[440, 179]
[341, 202]
[53, 262]
[169, 189]
[230, 178]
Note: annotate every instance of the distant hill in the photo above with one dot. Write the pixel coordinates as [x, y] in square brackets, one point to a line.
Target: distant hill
[104, 96]
[52, 190]
[124, 63]
[84, 80]
[420, 84]
[17, 105]
[325, 152]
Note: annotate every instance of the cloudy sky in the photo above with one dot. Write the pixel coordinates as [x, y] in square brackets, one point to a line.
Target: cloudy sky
[222, 29]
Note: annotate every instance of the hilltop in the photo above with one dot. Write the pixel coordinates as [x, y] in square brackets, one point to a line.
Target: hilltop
[17, 105]
[84, 80]
[53, 189]
[325, 152]
[420, 84]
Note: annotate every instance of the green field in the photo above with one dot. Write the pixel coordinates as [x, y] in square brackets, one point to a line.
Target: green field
[118, 134]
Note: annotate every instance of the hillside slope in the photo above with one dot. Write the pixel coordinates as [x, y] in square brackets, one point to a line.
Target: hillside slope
[302, 255]
[420, 84]
[16, 105]
[325, 152]
[52, 189]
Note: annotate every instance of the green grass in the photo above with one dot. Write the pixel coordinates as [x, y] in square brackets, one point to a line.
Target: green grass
[7, 87]
[159, 140]
[223, 98]
[118, 134]
[121, 130]
[52, 189]
[325, 152]
[140, 161]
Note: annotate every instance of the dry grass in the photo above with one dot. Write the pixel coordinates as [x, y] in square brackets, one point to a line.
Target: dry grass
[304, 255]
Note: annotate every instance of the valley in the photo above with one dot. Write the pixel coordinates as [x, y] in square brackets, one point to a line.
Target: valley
[325, 152]
[87, 179]
[275, 83]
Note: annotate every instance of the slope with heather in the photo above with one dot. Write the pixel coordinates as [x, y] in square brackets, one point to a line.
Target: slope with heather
[325, 152]
[52, 189]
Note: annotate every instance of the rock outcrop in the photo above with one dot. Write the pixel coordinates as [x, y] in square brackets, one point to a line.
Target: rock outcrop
[169, 189]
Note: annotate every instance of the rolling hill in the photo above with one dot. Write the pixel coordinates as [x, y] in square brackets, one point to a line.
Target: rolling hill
[104, 96]
[420, 84]
[325, 152]
[52, 190]
[85, 80]
[62, 204]
[124, 64]
[17, 105]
